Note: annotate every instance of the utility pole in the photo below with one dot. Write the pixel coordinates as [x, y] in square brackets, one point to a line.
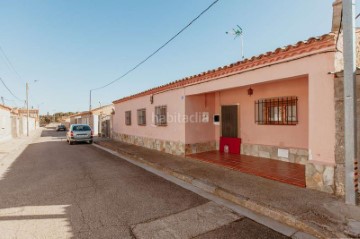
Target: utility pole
[27, 108]
[2, 100]
[350, 101]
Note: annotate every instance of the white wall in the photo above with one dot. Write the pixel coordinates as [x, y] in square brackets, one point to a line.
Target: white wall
[5, 125]
[23, 125]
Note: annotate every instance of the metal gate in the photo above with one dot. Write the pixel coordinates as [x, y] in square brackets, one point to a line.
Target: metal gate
[105, 126]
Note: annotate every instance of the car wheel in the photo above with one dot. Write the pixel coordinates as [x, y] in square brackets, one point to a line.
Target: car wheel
[90, 141]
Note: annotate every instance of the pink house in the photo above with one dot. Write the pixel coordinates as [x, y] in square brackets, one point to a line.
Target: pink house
[280, 104]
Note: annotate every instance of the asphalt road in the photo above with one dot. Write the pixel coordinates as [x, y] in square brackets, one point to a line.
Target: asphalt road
[56, 190]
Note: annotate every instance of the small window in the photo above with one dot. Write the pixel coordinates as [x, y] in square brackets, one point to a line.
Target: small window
[160, 115]
[276, 111]
[141, 115]
[128, 117]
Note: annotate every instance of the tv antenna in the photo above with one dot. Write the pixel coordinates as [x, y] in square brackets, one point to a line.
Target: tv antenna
[238, 32]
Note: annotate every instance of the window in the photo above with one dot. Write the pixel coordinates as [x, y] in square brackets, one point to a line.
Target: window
[81, 128]
[276, 111]
[128, 117]
[141, 115]
[160, 115]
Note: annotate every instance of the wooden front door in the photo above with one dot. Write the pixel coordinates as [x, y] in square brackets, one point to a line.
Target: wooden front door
[229, 121]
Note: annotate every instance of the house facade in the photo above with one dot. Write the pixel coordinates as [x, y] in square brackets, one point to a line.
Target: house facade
[5, 123]
[104, 115]
[13, 122]
[99, 119]
[278, 105]
[85, 117]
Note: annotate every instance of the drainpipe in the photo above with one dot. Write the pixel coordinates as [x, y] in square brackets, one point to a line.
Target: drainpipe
[350, 101]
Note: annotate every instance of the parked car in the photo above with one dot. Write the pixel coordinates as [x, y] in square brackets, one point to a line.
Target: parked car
[61, 127]
[79, 133]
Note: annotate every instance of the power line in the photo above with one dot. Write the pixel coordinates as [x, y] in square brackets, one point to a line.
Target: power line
[156, 51]
[2, 81]
[10, 65]
[8, 100]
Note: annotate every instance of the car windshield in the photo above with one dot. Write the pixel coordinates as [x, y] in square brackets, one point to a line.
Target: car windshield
[81, 128]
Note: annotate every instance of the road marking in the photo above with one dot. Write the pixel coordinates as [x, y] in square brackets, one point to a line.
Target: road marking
[187, 224]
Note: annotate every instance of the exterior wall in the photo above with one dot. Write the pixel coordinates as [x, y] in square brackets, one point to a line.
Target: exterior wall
[199, 127]
[5, 124]
[85, 118]
[105, 110]
[295, 155]
[101, 116]
[23, 124]
[340, 144]
[288, 136]
[306, 77]
[166, 146]
[15, 126]
[170, 138]
[321, 114]
[175, 129]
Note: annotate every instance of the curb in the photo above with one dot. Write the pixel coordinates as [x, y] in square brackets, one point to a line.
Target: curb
[277, 215]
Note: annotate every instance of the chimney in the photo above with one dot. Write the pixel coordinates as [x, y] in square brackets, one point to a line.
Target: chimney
[336, 20]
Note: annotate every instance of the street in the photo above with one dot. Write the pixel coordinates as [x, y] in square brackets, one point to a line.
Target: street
[56, 190]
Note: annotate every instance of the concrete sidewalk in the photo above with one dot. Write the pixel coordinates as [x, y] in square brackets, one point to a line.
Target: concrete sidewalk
[319, 214]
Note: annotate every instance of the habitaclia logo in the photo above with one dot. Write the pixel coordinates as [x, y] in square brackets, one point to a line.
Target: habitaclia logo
[195, 118]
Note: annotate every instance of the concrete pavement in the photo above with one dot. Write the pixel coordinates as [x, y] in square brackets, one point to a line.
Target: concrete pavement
[56, 190]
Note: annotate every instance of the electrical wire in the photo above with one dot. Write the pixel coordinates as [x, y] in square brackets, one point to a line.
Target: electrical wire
[156, 51]
[8, 100]
[2, 81]
[10, 65]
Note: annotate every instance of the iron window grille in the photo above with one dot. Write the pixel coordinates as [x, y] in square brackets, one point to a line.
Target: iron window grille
[141, 116]
[128, 117]
[160, 115]
[277, 111]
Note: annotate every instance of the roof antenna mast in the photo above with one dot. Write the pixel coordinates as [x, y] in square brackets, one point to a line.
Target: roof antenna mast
[238, 32]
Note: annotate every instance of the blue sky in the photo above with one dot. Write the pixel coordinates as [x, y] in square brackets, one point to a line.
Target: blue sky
[70, 47]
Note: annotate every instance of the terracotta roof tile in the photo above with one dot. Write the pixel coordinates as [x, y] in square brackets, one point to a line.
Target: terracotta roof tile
[5, 107]
[302, 47]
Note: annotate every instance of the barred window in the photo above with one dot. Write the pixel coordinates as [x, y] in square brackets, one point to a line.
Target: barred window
[141, 116]
[160, 115]
[128, 117]
[276, 111]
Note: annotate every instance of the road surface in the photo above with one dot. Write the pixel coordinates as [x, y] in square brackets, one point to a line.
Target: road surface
[56, 190]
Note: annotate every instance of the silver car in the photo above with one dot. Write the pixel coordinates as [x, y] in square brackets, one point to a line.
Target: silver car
[79, 133]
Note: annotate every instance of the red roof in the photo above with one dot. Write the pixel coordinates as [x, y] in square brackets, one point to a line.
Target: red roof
[5, 107]
[290, 51]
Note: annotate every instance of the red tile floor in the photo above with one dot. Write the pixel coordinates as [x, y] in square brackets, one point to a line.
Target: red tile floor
[284, 172]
